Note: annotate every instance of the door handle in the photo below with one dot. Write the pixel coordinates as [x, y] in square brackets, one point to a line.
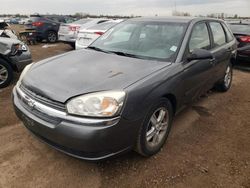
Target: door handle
[212, 61]
[229, 49]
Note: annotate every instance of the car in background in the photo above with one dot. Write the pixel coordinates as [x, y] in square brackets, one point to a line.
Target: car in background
[68, 32]
[14, 56]
[123, 91]
[46, 27]
[87, 36]
[241, 32]
[14, 20]
[24, 21]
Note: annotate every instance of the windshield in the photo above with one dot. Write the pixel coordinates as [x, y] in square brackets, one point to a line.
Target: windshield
[240, 28]
[82, 21]
[145, 40]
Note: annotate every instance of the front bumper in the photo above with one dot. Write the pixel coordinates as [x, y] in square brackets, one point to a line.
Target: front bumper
[19, 61]
[89, 139]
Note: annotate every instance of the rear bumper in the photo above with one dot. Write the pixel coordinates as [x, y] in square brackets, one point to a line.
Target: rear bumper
[79, 46]
[90, 139]
[244, 56]
[67, 38]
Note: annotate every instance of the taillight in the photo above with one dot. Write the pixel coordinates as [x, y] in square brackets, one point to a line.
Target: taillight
[99, 33]
[74, 28]
[245, 39]
[37, 24]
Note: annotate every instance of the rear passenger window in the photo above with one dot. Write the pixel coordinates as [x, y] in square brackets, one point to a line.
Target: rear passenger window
[218, 33]
[199, 38]
[229, 34]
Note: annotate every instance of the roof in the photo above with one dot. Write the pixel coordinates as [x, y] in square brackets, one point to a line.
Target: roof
[178, 19]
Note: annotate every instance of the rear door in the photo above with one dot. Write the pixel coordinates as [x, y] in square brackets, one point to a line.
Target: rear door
[196, 73]
[221, 49]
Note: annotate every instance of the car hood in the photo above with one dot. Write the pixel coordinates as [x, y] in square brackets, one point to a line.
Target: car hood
[84, 71]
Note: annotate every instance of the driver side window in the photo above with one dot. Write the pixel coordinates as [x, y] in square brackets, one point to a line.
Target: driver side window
[199, 38]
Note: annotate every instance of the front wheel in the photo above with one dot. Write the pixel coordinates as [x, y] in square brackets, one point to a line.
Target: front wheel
[6, 74]
[225, 84]
[155, 128]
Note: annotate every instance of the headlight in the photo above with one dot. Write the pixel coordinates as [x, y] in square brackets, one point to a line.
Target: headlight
[23, 47]
[100, 104]
[18, 48]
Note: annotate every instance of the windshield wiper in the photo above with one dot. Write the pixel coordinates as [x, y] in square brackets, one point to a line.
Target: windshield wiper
[97, 49]
[129, 55]
[124, 54]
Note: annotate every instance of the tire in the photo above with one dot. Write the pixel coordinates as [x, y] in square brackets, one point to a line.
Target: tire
[6, 73]
[147, 146]
[73, 45]
[225, 84]
[51, 37]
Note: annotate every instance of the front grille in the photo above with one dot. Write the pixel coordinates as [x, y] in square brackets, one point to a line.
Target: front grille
[43, 100]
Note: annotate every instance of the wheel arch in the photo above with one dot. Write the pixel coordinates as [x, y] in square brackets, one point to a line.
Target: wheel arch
[2, 57]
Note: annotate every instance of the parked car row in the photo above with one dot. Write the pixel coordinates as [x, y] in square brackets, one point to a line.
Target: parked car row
[86, 36]
[82, 32]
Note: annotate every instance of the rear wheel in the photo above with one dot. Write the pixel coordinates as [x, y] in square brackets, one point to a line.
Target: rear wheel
[225, 84]
[6, 73]
[52, 37]
[155, 128]
[73, 45]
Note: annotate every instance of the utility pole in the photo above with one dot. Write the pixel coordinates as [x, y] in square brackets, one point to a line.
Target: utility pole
[175, 6]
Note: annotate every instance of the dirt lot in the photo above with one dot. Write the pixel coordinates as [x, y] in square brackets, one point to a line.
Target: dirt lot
[209, 146]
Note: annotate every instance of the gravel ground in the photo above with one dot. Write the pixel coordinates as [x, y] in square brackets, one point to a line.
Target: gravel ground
[208, 147]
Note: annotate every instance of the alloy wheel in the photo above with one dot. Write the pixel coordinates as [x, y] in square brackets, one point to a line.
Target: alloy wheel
[228, 77]
[157, 127]
[52, 37]
[3, 74]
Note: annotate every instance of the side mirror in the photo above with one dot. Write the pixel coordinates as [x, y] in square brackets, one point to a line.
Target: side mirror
[199, 54]
[244, 48]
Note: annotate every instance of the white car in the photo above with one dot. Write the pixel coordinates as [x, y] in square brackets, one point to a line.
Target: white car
[68, 32]
[24, 21]
[87, 36]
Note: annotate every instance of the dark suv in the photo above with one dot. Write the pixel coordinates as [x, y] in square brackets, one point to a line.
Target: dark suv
[46, 27]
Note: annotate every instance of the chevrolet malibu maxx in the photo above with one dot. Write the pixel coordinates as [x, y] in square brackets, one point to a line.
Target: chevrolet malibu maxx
[122, 92]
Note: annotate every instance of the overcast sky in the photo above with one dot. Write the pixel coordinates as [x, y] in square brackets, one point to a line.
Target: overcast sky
[126, 7]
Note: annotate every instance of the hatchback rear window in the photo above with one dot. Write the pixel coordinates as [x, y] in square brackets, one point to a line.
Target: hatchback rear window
[240, 28]
[35, 19]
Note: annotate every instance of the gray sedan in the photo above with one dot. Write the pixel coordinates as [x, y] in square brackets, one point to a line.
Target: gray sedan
[123, 91]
